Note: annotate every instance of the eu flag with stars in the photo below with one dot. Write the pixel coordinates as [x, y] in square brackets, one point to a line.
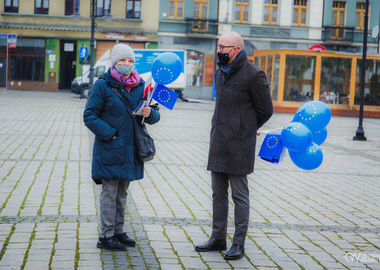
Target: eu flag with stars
[165, 96]
[271, 148]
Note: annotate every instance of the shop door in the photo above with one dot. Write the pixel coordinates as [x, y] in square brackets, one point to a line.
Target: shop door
[67, 63]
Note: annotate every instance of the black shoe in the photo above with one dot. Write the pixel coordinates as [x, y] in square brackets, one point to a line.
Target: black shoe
[110, 243]
[236, 252]
[124, 239]
[211, 245]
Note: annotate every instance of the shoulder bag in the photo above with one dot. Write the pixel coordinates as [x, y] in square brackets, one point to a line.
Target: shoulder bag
[145, 149]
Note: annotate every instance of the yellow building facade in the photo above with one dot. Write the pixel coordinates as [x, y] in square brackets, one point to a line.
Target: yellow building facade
[46, 54]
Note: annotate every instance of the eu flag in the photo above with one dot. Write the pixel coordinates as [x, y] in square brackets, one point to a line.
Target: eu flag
[271, 148]
[165, 96]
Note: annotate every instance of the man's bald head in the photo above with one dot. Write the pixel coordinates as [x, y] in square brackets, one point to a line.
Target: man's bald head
[232, 39]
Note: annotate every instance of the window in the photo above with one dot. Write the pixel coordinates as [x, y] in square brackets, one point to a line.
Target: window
[338, 20]
[299, 12]
[299, 78]
[103, 7]
[360, 13]
[175, 9]
[270, 11]
[134, 9]
[71, 6]
[241, 11]
[41, 7]
[11, 6]
[27, 60]
[200, 12]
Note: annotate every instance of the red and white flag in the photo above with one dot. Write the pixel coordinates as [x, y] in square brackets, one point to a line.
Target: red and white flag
[148, 86]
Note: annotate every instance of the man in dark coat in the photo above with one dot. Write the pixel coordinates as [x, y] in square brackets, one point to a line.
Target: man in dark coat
[243, 105]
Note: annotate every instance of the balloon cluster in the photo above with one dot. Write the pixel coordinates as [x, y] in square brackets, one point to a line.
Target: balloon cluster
[305, 133]
[166, 68]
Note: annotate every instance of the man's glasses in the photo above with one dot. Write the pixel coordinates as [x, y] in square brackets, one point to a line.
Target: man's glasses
[221, 48]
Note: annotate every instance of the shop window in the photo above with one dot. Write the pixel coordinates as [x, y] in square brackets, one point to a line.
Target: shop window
[269, 68]
[360, 13]
[41, 7]
[276, 76]
[299, 12]
[175, 9]
[11, 6]
[270, 11]
[335, 80]
[195, 62]
[338, 20]
[134, 9]
[27, 60]
[299, 78]
[372, 82]
[241, 11]
[103, 7]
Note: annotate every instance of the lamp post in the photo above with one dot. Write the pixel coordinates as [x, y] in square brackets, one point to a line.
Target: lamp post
[92, 44]
[360, 131]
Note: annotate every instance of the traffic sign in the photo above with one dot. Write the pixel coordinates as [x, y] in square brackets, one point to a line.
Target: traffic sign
[83, 52]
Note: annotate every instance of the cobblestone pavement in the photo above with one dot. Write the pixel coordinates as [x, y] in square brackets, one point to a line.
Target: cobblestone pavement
[322, 219]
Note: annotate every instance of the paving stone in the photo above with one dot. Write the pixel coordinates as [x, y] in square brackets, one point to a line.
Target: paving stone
[309, 219]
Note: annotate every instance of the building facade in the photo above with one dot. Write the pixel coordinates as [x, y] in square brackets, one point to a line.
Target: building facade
[343, 25]
[191, 25]
[40, 40]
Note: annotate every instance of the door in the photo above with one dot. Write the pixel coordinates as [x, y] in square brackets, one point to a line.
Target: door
[67, 63]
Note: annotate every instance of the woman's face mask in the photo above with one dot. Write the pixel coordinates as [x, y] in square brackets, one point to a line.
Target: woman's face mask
[124, 69]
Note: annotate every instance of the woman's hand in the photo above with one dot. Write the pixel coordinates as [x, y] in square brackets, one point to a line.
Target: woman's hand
[146, 111]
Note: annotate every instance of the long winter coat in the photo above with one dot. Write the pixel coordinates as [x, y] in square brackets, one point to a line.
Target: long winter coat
[243, 104]
[106, 116]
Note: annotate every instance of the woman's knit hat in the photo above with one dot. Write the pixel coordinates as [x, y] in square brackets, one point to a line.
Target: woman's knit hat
[121, 51]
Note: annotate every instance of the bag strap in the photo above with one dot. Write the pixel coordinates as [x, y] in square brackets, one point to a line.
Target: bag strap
[123, 99]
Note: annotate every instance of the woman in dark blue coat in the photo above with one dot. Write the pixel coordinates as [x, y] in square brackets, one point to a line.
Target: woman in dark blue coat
[114, 162]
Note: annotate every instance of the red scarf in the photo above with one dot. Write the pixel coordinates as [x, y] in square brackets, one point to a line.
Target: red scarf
[128, 82]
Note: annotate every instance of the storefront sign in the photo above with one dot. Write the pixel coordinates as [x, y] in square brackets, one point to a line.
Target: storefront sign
[69, 47]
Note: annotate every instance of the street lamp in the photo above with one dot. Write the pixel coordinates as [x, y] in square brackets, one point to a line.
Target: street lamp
[92, 44]
[360, 131]
[107, 17]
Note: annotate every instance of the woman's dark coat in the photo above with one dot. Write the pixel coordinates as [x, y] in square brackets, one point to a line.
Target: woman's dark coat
[243, 104]
[106, 116]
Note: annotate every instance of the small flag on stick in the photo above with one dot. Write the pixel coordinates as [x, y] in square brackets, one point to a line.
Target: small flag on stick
[148, 86]
[165, 96]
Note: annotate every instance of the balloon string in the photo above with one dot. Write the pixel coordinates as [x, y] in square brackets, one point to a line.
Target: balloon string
[269, 131]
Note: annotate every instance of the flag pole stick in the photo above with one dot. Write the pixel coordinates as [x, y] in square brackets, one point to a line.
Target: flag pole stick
[148, 100]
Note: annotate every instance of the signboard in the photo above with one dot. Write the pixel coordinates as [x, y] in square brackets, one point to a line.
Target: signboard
[12, 41]
[68, 47]
[144, 60]
[83, 55]
[83, 52]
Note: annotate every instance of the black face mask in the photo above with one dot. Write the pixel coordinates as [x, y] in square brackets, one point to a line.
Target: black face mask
[224, 58]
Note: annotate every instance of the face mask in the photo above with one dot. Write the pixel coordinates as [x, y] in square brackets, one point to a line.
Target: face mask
[124, 69]
[223, 58]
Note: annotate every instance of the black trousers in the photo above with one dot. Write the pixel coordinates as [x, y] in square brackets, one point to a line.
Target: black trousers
[240, 197]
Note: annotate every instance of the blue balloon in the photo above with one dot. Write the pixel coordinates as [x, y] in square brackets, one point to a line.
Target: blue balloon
[320, 136]
[166, 68]
[308, 160]
[296, 137]
[314, 114]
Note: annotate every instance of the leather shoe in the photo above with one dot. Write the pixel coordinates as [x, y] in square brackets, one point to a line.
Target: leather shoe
[212, 244]
[236, 252]
[124, 239]
[110, 243]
